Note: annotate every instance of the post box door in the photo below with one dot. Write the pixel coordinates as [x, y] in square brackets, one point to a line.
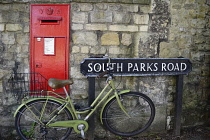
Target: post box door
[50, 57]
[49, 41]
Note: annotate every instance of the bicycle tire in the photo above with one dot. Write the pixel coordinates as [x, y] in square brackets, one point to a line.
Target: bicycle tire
[29, 127]
[140, 108]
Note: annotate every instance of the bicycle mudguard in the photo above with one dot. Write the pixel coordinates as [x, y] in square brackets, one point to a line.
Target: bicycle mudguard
[34, 99]
[121, 92]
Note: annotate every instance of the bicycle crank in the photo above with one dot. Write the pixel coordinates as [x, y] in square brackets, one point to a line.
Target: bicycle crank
[80, 126]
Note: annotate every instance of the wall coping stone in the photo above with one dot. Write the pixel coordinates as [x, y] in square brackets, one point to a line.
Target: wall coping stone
[145, 2]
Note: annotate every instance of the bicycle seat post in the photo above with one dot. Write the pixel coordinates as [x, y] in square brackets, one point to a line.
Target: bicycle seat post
[64, 88]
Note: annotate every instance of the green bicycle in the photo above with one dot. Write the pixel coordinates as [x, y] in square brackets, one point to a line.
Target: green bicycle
[124, 113]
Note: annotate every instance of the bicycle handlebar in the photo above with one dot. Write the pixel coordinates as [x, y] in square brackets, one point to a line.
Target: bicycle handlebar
[102, 74]
[107, 71]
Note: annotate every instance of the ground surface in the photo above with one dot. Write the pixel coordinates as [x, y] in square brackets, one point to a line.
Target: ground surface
[193, 133]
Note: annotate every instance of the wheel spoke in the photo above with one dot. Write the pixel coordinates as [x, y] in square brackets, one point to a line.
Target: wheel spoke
[29, 127]
[140, 109]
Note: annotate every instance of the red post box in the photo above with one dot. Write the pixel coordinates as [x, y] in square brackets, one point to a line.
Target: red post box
[49, 40]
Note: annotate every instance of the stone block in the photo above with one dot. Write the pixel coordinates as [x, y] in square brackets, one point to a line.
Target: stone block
[25, 17]
[23, 38]
[86, 7]
[85, 49]
[7, 120]
[144, 28]
[77, 26]
[1, 88]
[159, 123]
[75, 73]
[141, 19]
[75, 49]
[110, 39]
[26, 28]
[2, 74]
[203, 47]
[114, 50]
[101, 27]
[189, 6]
[130, 8]
[198, 39]
[101, 16]
[126, 39]
[78, 94]
[75, 7]
[79, 17]
[24, 48]
[101, 6]
[80, 84]
[145, 9]
[13, 27]
[1, 18]
[185, 53]
[85, 38]
[5, 6]
[8, 38]
[21, 7]
[198, 23]
[1, 27]
[12, 17]
[121, 17]
[142, 1]
[9, 100]
[197, 56]
[168, 50]
[4, 16]
[115, 7]
[177, 6]
[126, 28]
[98, 50]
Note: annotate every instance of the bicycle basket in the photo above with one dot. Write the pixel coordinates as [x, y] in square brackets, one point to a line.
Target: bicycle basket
[27, 84]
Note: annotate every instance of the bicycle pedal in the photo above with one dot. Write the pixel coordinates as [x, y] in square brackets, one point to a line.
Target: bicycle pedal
[84, 109]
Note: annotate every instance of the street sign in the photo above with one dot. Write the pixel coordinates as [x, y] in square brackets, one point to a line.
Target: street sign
[92, 67]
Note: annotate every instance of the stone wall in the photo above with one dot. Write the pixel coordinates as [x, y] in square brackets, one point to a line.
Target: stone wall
[124, 29]
[189, 36]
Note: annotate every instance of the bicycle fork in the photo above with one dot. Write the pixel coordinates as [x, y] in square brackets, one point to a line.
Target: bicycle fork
[118, 98]
[120, 104]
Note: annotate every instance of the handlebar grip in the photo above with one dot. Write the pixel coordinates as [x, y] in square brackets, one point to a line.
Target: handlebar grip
[102, 74]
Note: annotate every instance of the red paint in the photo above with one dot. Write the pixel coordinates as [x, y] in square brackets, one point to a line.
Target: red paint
[50, 21]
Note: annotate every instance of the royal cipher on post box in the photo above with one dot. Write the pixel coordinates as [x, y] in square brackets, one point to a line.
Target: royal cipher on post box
[49, 40]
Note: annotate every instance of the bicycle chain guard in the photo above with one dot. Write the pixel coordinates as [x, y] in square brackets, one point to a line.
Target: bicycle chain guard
[70, 123]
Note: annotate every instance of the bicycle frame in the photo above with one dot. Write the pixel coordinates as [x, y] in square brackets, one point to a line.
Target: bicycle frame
[50, 112]
[67, 102]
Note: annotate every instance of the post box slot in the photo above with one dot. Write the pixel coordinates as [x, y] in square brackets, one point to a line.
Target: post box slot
[49, 20]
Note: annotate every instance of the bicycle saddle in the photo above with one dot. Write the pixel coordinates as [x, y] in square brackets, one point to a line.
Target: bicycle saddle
[57, 83]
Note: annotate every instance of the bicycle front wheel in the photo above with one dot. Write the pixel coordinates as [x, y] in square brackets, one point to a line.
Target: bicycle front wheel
[140, 109]
[31, 120]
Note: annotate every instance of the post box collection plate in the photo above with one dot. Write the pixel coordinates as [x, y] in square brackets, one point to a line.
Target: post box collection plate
[49, 46]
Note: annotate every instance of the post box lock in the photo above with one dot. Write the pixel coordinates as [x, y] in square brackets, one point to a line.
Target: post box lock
[38, 65]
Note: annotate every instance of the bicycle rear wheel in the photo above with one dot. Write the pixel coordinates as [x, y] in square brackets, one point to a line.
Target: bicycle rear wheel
[140, 108]
[30, 122]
